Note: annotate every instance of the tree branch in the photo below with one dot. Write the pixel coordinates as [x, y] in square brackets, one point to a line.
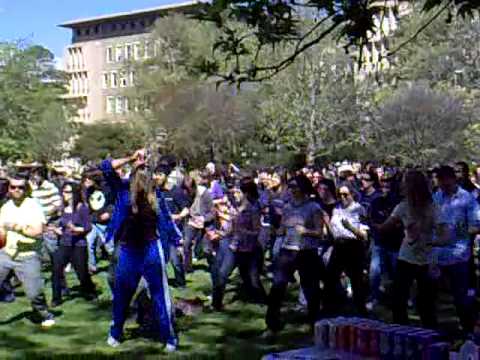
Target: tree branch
[290, 59]
[420, 29]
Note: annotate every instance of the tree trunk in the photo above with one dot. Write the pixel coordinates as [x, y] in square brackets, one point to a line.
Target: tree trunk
[311, 146]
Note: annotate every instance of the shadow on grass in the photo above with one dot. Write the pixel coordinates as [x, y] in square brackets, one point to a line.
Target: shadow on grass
[21, 316]
[17, 342]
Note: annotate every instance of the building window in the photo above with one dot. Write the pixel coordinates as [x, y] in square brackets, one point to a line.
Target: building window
[86, 84]
[123, 79]
[87, 32]
[133, 25]
[96, 29]
[74, 85]
[79, 32]
[114, 79]
[136, 51]
[105, 80]
[80, 59]
[119, 54]
[110, 57]
[110, 104]
[113, 27]
[81, 84]
[148, 50]
[132, 78]
[126, 105]
[129, 52]
[72, 59]
[119, 103]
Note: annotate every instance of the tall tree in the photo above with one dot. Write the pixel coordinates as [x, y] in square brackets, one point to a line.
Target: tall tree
[103, 139]
[420, 125]
[51, 135]
[314, 106]
[270, 23]
[30, 87]
[178, 104]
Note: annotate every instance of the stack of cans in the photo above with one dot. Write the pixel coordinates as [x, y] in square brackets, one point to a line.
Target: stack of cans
[370, 339]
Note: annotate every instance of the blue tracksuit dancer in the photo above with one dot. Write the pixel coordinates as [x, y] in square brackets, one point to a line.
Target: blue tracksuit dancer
[143, 226]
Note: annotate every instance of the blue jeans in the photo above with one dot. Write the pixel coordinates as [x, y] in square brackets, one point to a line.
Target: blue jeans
[193, 237]
[149, 263]
[307, 262]
[383, 261]
[97, 232]
[177, 263]
[249, 265]
[458, 277]
[406, 273]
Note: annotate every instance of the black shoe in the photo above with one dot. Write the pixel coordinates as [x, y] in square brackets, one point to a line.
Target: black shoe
[90, 296]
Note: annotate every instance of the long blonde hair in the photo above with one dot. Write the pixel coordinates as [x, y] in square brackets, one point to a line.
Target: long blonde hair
[142, 183]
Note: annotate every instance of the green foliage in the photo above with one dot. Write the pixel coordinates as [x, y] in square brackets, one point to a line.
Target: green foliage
[50, 134]
[446, 57]
[421, 126]
[271, 23]
[30, 92]
[313, 106]
[446, 54]
[472, 140]
[196, 120]
[99, 140]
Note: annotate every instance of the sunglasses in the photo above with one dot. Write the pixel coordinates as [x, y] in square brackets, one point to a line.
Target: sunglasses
[15, 187]
[67, 191]
[344, 194]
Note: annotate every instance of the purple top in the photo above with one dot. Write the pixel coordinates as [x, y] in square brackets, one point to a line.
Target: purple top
[248, 219]
[80, 217]
[216, 191]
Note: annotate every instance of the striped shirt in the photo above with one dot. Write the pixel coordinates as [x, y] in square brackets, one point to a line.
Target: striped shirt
[48, 196]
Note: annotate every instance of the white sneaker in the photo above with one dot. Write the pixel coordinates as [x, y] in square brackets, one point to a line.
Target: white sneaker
[112, 342]
[47, 323]
[68, 268]
[371, 305]
[170, 348]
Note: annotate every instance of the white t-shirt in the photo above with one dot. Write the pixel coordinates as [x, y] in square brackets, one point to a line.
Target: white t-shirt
[29, 212]
[354, 214]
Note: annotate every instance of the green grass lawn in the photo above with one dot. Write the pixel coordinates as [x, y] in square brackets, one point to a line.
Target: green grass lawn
[81, 329]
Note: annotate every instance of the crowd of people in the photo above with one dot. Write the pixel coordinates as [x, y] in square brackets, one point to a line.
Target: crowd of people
[356, 234]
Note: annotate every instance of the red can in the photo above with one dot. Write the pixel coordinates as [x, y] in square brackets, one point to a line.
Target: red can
[374, 348]
[363, 339]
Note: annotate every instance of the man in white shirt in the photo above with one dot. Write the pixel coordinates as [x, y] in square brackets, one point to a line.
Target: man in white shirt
[23, 219]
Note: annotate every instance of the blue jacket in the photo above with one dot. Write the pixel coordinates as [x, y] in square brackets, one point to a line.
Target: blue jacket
[167, 231]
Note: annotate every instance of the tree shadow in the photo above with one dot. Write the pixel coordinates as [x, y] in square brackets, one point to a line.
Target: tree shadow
[198, 267]
[18, 317]
[17, 342]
